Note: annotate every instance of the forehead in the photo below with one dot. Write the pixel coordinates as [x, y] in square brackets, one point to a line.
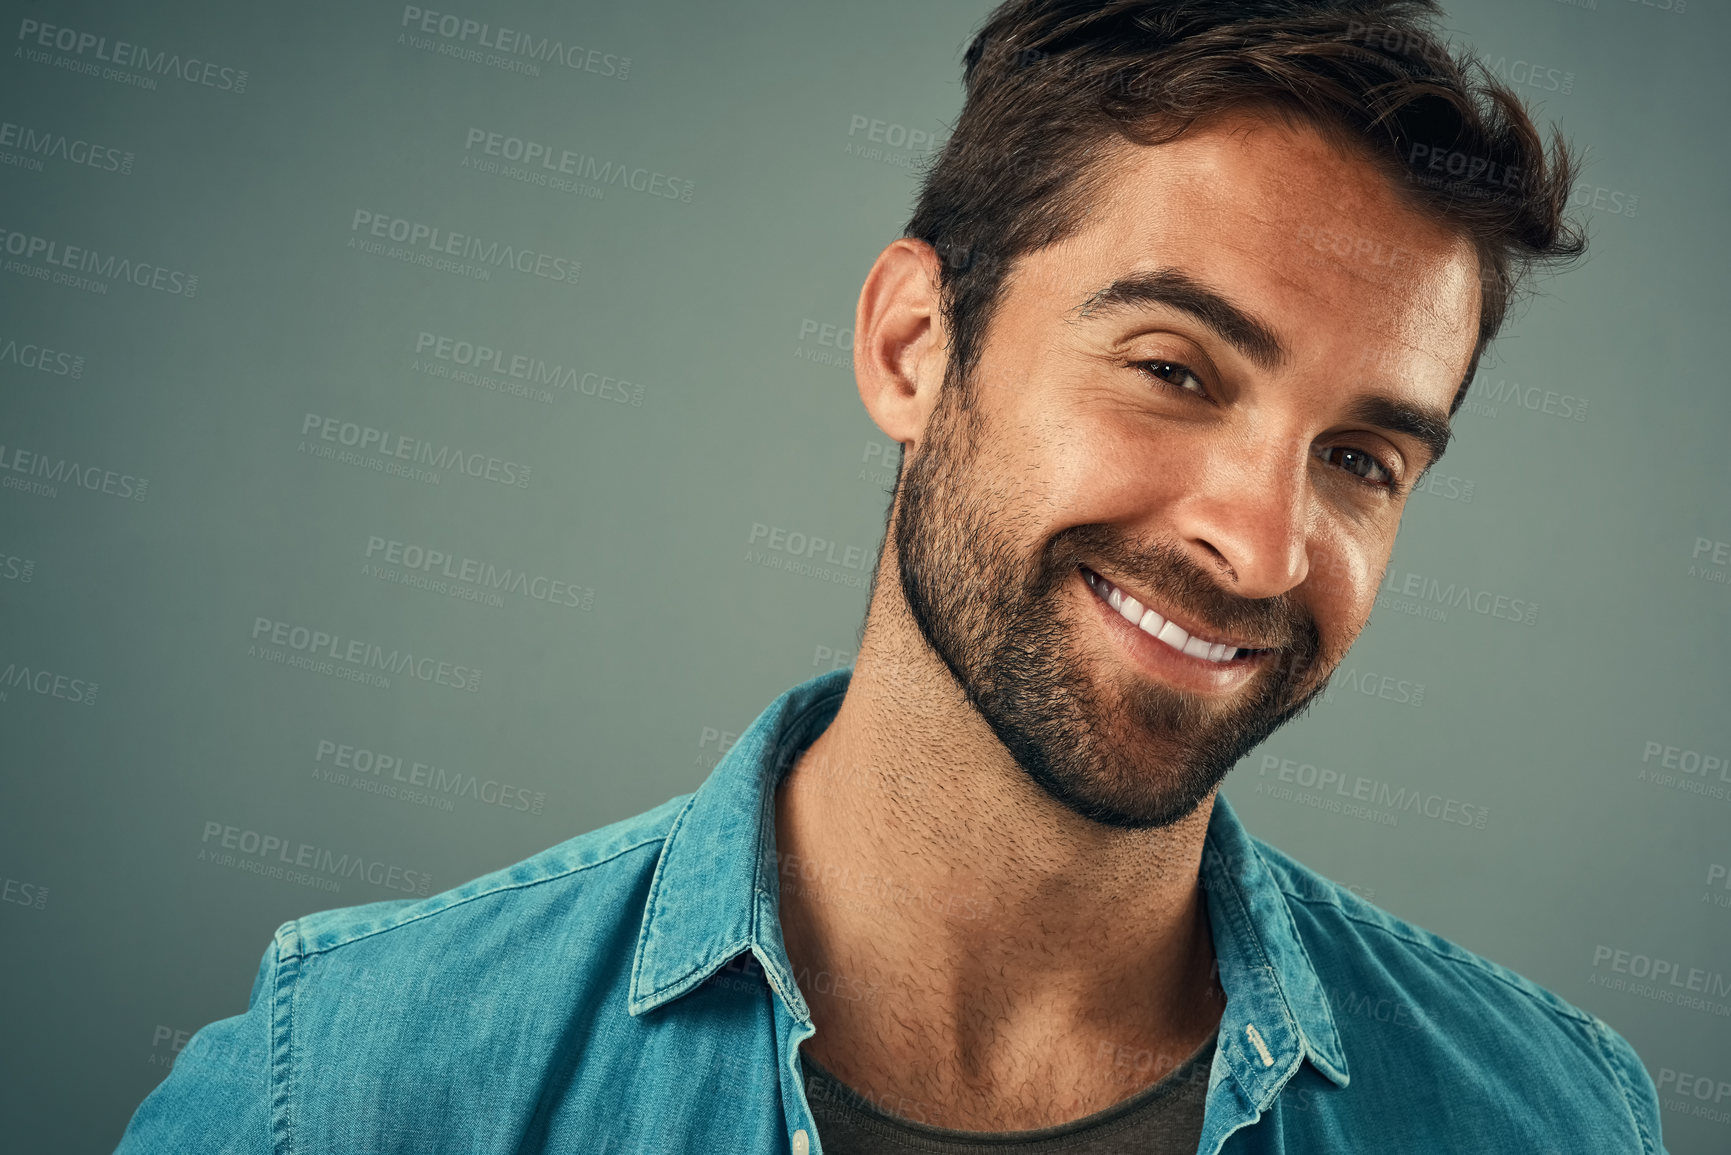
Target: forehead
[1314, 238]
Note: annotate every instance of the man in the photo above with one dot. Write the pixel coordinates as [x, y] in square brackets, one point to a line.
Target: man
[1182, 315]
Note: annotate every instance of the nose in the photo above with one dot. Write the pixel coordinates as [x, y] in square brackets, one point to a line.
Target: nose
[1247, 517]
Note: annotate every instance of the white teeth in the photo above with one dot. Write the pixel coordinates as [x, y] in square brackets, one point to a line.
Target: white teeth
[1173, 636]
[1151, 623]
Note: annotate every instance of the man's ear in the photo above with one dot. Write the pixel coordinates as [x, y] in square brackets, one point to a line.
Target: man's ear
[899, 353]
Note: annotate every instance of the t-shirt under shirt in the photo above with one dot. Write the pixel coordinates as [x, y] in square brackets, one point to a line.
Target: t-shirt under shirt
[1164, 1119]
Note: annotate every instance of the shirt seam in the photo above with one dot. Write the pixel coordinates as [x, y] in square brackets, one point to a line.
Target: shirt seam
[502, 887]
[650, 913]
[282, 993]
[1464, 959]
[1614, 1061]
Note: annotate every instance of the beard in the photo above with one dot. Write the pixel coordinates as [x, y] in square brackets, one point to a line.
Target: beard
[1123, 752]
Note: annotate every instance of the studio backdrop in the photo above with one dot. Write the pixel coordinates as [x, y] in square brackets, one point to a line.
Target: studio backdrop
[427, 434]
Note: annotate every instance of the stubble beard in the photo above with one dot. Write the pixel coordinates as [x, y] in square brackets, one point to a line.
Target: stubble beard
[1124, 752]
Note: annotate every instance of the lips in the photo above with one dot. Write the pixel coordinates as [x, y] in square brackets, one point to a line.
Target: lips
[1158, 626]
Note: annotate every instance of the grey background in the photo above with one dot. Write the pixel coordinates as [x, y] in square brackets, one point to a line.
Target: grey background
[125, 925]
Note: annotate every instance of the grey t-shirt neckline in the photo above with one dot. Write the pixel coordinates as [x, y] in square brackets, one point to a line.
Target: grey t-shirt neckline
[861, 1113]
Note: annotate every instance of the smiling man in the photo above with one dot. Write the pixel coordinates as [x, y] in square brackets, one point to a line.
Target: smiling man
[1182, 316]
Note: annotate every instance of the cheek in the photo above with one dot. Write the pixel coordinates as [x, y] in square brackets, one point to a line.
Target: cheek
[1051, 470]
[1343, 578]
[1112, 468]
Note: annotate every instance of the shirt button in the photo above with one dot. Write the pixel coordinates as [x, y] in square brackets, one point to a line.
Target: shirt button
[801, 1142]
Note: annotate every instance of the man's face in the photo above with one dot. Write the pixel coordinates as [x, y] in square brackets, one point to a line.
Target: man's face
[1211, 399]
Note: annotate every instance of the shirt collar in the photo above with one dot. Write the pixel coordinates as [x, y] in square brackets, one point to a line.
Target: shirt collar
[1277, 1013]
[715, 894]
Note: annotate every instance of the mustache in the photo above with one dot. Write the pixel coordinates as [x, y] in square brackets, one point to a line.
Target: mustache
[1278, 623]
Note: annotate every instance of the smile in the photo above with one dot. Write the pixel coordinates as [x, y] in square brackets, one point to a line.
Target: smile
[1158, 627]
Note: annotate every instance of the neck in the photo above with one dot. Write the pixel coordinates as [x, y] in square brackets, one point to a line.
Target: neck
[987, 951]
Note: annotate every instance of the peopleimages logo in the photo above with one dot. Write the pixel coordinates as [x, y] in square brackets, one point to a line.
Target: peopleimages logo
[124, 54]
[809, 546]
[1357, 788]
[836, 342]
[533, 371]
[43, 472]
[42, 359]
[541, 162]
[302, 856]
[1663, 973]
[316, 648]
[435, 569]
[430, 241]
[1694, 1093]
[49, 259]
[366, 769]
[460, 30]
[1370, 685]
[897, 145]
[32, 145]
[22, 893]
[1423, 596]
[401, 447]
[47, 684]
[1690, 771]
[1527, 74]
[1718, 879]
[802, 553]
[1513, 395]
[1716, 567]
[16, 569]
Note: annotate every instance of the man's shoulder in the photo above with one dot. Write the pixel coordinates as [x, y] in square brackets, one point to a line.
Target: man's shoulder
[1406, 1000]
[598, 865]
[359, 1014]
[1339, 926]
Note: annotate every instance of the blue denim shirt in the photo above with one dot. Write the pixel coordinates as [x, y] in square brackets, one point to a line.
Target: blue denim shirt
[628, 991]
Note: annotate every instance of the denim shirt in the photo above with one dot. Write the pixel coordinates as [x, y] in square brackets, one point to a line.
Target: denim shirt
[628, 991]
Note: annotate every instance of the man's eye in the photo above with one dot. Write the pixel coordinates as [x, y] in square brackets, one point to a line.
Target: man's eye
[1173, 374]
[1360, 464]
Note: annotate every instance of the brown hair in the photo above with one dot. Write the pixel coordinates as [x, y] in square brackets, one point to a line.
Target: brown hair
[1053, 85]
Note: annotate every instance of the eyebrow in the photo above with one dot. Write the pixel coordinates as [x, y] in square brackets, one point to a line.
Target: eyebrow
[1429, 426]
[1176, 289]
